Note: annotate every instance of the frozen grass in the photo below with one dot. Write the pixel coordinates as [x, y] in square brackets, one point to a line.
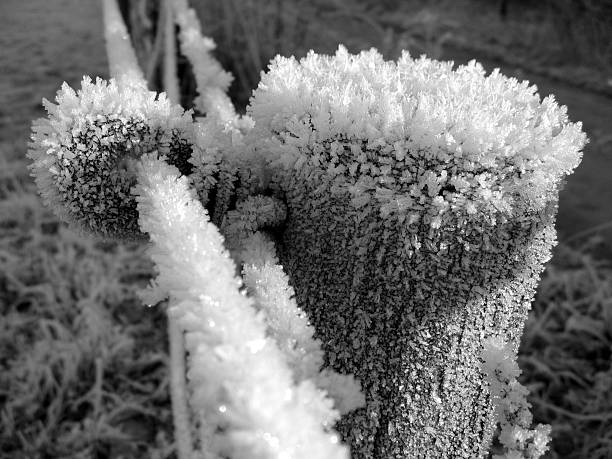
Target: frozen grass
[83, 362]
[566, 353]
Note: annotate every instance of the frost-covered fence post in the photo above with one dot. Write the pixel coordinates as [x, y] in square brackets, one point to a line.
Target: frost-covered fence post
[421, 207]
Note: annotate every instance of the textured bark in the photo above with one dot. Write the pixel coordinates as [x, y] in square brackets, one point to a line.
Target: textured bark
[406, 309]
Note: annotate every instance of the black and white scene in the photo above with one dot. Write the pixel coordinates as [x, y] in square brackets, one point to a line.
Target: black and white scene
[305, 229]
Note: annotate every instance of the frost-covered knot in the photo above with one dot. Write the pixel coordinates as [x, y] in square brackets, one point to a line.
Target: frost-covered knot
[83, 153]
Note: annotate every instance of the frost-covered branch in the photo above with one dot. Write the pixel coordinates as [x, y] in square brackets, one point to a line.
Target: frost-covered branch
[211, 80]
[84, 153]
[238, 375]
[289, 325]
[122, 59]
[269, 286]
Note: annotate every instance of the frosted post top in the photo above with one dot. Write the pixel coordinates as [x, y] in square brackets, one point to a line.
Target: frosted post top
[416, 134]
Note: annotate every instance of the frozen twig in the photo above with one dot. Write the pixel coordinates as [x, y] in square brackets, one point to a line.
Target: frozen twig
[238, 376]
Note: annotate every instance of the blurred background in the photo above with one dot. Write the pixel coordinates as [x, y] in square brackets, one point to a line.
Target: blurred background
[83, 363]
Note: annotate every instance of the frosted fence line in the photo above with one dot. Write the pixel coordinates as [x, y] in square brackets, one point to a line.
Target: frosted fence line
[411, 205]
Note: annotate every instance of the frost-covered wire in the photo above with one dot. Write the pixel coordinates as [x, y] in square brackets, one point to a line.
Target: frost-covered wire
[211, 80]
[219, 161]
[519, 439]
[289, 325]
[239, 377]
[181, 414]
[122, 59]
[269, 286]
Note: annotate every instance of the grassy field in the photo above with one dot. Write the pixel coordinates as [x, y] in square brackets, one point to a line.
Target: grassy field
[83, 363]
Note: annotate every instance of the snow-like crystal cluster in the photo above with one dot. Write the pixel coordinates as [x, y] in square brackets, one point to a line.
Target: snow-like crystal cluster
[520, 441]
[416, 135]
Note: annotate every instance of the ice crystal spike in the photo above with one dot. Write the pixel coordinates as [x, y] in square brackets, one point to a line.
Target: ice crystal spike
[421, 203]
